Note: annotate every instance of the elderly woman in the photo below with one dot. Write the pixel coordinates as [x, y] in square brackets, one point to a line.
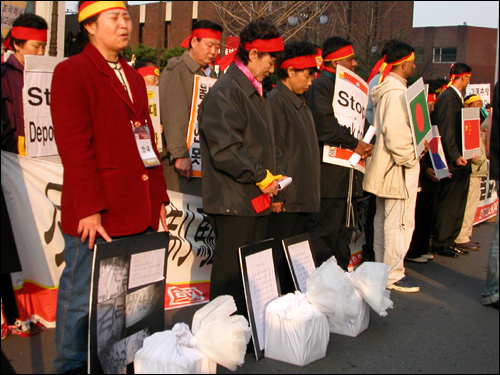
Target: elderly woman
[295, 137]
[239, 156]
[113, 181]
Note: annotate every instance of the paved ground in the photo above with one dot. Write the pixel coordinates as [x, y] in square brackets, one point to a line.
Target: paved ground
[442, 329]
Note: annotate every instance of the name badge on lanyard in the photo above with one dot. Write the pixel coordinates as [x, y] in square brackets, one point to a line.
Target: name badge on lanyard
[144, 145]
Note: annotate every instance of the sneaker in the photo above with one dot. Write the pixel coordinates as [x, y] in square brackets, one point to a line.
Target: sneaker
[417, 260]
[404, 285]
[428, 256]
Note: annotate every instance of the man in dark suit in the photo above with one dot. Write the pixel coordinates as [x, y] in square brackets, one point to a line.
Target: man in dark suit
[452, 199]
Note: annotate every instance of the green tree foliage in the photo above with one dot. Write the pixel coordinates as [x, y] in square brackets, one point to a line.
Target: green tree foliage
[169, 53]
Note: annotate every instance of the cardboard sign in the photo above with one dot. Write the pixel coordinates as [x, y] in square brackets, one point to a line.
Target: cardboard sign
[471, 133]
[126, 301]
[201, 87]
[350, 100]
[154, 112]
[261, 285]
[39, 132]
[420, 121]
[300, 259]
[481, 89]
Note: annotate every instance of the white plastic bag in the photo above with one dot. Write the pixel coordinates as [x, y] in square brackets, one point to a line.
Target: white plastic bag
[331, 290]
[370, 280]
[172, 352]
[296, 331]
[219, 336]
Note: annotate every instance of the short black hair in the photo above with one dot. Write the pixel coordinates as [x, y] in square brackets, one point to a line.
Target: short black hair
[260, 28]
[82, 38]
[27, 20]
[433, 85]
[386, 46]
[296, 49]
[459, 68]
[206, 24]
[141, 63]
[397, 51]
[333, 44]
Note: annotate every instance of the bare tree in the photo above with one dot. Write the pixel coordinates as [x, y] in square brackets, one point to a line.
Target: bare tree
[296, 19]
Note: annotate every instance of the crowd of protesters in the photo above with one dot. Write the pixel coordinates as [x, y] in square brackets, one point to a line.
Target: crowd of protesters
[252, 138]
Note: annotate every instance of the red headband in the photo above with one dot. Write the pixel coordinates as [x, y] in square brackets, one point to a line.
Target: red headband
[25, 33]
[200, 34]
[300, 62]
[431, 98]
[149, 71]
[261, 45]
[340, 53]
[376, 69]
[389, 66]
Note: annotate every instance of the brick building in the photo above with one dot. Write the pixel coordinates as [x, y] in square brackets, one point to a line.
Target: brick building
[439, 47]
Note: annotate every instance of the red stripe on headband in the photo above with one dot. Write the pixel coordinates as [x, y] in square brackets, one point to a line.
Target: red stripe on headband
[340, 53]
[300, 62]
[200, 34]
[28, 33]
[266, 45]
[149, 71]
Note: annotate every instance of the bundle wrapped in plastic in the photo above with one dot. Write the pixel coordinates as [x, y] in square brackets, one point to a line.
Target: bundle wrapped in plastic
[217, 338]
[370, 280]
[296, 331]
[221, 337]
[172, 352]
[343, 297]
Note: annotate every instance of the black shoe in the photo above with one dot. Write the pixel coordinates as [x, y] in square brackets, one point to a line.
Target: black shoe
[461, 251]
[494, 304]
[446, 251]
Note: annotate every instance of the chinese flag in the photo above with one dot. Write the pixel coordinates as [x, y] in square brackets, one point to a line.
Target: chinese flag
[471, 134]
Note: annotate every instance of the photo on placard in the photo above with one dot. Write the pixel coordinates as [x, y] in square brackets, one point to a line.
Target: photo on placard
[141, 303]
[261, 285]
[300, 259]
[110, 322]
[113, 278]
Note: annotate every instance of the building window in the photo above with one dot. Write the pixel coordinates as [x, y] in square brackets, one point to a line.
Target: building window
[444, 55]
[167, 34]
[141, 26]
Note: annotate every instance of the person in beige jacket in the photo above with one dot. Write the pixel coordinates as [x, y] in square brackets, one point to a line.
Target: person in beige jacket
[393, 170]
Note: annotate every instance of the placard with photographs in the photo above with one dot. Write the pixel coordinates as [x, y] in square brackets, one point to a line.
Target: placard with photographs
[127, 298]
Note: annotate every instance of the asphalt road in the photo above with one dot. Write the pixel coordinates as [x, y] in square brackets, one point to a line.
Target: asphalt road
[442, 329]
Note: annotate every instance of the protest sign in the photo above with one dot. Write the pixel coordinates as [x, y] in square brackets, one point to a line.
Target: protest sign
[300, 259]
[481, 89]
[201, 87]
[261, 285]
[154, 112]
[10, 11]
[471, 133]
[350, 99]
[126, 300]
[39, 132]
[418, 112]
[437, 155]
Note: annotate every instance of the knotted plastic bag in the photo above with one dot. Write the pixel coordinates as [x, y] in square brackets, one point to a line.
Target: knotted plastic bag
[221, 337]
[296, 331]
[331, 290]
[172, 352]
[370, 280]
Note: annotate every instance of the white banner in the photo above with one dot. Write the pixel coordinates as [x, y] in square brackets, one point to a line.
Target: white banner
[154, 112]
[39, 132]
[200, 88]
[349, 107]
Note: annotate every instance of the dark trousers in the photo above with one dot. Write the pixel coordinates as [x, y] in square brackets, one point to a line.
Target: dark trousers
[281, 226]
[449, 211]
[423, 225]
[231, 233]
[329, 234]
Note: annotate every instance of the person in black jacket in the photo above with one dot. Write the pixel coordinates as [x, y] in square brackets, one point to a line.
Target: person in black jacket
[296, 139]
[239, 161]
[329, 233]
[452, 197]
